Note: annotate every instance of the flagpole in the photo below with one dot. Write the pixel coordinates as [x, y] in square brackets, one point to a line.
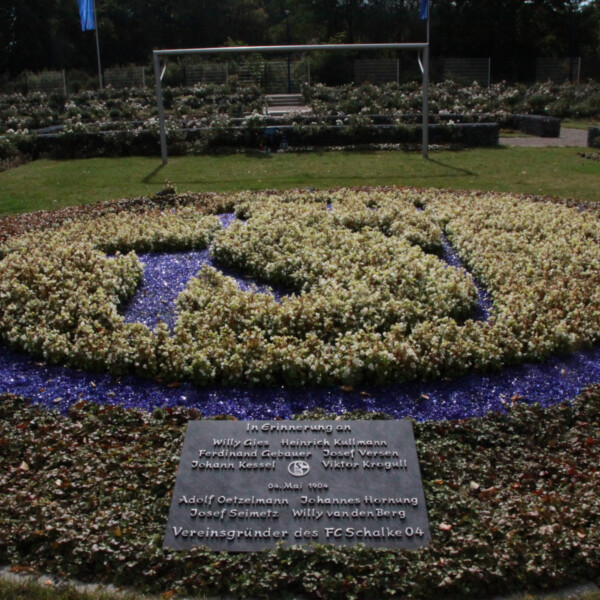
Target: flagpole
[425, 144]
[97, 45]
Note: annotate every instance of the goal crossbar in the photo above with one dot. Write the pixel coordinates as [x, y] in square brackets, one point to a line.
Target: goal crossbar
[158, 74]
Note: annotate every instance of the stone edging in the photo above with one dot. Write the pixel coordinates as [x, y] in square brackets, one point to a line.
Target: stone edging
[571, 592]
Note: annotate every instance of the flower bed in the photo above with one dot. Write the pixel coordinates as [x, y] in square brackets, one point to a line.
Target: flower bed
[498, 101]
[205, 117]
[221, 105]
[371, 303]
[86, 494]
[111, 109]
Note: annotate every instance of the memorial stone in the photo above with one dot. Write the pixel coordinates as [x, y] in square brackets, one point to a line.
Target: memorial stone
[249, 485]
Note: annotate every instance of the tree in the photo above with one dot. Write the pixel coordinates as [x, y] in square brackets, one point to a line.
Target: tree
[33, 35]
[46, 34]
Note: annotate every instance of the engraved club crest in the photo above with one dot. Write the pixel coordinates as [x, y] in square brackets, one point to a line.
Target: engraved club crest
[298, 468]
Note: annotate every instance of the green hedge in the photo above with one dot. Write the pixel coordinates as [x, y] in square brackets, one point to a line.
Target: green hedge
[537, 125]
[594, 137]
[71, 145]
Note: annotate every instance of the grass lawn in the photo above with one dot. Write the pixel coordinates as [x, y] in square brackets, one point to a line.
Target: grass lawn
[580, 124]
[47, 184]
[30, 590]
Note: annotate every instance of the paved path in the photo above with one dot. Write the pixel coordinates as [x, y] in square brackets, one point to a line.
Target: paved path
[568, 137]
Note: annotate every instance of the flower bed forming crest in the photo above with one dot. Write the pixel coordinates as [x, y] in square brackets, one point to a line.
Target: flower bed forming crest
[370, 299]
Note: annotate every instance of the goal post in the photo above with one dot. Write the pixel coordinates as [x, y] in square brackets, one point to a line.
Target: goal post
[159, 74]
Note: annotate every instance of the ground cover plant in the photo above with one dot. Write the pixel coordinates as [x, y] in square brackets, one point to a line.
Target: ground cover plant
[512, 502]
[368, 299]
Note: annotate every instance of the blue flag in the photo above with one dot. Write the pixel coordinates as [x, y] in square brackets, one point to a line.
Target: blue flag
[424, 9]
[86, 13]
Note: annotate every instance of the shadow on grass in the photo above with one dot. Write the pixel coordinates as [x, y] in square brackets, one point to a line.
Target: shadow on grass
[156, 171]
[338, 175]
[457, 170]
[259, 154]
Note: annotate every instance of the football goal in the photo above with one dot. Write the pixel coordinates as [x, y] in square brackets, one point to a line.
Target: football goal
[159, 71]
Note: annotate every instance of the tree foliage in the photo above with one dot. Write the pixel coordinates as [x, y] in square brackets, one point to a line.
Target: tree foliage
[46, 34]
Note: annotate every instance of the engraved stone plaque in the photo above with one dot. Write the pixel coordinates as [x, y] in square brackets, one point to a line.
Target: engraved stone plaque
[248, 485]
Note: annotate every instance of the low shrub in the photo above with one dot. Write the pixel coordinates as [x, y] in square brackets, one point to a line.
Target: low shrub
[80, 143]
[594, 137]
[537, 125]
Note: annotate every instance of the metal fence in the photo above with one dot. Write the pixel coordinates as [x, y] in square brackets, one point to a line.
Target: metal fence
[272, 75]
[376, 70]
[468, 70]
[125, 77]
[558, 69]
[206, 73]
[47, 82]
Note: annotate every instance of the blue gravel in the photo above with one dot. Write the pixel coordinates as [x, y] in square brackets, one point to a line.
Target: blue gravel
[484, 302]
[556, 380]
[165, 276]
